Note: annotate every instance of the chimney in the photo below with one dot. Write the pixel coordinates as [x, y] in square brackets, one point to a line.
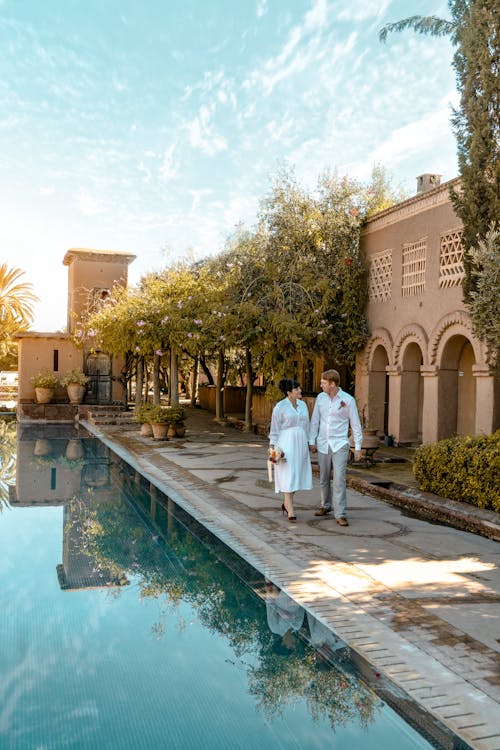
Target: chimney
[427, 182]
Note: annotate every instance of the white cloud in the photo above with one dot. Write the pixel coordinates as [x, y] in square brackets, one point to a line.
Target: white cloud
[362, 10]
[261, 8]
[145, 170]
[46, 191]
[88, 205]
[201, 135]
[168, 170]
[414, 137]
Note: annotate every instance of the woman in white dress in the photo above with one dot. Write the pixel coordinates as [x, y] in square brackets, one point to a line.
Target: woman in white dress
[290, 432]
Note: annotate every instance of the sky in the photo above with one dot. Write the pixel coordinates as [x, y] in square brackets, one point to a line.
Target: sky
[154, 127]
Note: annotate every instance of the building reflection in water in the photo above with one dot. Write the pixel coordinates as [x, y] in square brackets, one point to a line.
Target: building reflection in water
[118, 528]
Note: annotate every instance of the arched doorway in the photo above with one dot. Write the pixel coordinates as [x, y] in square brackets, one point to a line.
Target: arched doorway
[457, 388]
[410, 421]
[378, 391]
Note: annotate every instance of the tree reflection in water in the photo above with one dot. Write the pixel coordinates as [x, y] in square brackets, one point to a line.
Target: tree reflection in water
[141, 534]
[8, 445]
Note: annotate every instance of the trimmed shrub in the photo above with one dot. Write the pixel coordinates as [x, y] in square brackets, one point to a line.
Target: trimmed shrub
[465, 468]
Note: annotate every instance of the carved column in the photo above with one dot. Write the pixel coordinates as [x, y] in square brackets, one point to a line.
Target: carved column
[430, 415]
[394, 416]
[485, 399]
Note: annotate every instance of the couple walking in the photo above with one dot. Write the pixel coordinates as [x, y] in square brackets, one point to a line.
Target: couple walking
[326, 433]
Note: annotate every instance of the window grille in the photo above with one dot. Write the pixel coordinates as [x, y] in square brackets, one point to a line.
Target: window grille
[380, 277]
[414, 261]
[451, 259]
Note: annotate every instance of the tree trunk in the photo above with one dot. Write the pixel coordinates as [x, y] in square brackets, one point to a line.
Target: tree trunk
[145, 384]
[156, 379]
[219, 393]
[249, 393]
[139, 379]
[206, 370]
[174, 378]
[194, 381]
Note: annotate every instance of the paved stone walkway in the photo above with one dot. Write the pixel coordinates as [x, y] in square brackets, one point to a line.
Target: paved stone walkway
[419, 601]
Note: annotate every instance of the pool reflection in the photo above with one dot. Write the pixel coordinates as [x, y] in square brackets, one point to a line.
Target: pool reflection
[122, 533]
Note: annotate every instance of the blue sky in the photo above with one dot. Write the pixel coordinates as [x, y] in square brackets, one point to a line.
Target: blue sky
[154, 127]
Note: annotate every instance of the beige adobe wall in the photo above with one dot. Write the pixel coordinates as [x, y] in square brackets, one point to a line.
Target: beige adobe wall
[423, 375]
[89, 272]
[422, 219]
[37, 351]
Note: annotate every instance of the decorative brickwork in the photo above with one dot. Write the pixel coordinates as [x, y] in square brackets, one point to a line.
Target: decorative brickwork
[380, 277]
[414, 263]
[451, 255]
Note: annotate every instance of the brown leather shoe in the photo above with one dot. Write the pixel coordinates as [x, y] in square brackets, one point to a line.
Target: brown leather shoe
[342, 521]
[322, 511]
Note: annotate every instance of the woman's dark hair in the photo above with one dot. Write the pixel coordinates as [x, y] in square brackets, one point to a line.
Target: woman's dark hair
[287, 384]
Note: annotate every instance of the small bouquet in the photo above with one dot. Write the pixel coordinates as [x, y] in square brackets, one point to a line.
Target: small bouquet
[274, 456]
[342, 404]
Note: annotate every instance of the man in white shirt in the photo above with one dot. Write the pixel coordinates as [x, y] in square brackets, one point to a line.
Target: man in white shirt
[334, 411]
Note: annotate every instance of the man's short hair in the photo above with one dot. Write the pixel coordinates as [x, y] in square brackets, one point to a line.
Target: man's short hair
[332, 376]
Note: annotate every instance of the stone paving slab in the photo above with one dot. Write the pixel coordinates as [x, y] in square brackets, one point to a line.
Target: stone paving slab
[387, 585]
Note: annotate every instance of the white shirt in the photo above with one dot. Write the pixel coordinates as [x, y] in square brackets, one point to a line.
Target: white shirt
[330, 421]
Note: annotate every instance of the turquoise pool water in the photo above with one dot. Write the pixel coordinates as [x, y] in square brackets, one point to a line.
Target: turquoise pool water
[126, 625]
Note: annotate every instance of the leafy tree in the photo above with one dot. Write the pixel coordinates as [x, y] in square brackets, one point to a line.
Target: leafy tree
[474, 32]
[431, 25]
[16, 302]
[8, 355]
[484, 302]
[316, 280]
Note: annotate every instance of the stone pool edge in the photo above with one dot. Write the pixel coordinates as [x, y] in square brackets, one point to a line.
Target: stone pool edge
[437, 690]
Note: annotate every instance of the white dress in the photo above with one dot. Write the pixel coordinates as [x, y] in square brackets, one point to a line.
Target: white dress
[290, 431]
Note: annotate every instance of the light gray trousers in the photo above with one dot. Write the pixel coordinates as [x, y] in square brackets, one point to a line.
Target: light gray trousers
[337, 461]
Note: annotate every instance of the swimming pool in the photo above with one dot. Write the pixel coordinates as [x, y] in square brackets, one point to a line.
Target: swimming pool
[128, 625]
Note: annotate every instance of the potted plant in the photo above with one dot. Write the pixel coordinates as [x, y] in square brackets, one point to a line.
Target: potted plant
[176, 418]
[159, 419]
[44, 383]
[75, 382]
[143, 416]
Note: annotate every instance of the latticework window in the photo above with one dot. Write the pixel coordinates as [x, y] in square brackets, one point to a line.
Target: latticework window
[414, 260]
[451, 259]
[380, 277]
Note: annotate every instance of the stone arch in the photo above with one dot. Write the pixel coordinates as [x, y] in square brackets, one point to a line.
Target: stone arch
[456, 384]
[374, 397]
[411, 357]
[379, 337]
[411, 333]
[457, 323]
[378, 389]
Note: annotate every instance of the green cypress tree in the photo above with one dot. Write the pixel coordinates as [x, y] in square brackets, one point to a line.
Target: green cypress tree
[475, 33]
[476, 122]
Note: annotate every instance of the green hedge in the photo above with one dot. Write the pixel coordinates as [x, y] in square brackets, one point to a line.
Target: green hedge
[463, 468]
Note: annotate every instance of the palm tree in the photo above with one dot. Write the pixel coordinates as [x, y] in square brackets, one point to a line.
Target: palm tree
[16, 302]
[431, 25]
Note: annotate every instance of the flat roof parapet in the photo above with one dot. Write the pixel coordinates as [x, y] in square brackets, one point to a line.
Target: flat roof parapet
[84, 253]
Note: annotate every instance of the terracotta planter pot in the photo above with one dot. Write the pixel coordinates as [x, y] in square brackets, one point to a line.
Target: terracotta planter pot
[180, 429]
[146, 430]
[43, 447]
[171, 433]
[76, 392]
[74, 449]
[44, 395]
[160, 430]
[370, 439]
